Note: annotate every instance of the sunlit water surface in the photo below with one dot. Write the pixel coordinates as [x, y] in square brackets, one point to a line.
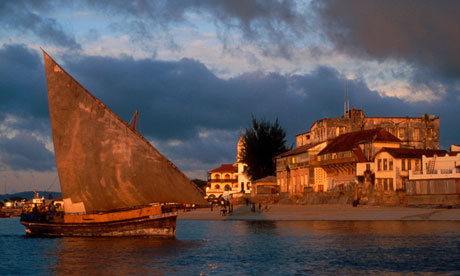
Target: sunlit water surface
[242, 247]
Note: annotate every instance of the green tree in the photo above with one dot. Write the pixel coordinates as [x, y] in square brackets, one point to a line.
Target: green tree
[261, 143]
[200, 184]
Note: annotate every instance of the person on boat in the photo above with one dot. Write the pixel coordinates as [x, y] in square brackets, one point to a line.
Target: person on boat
[51, 207]
[35, 209]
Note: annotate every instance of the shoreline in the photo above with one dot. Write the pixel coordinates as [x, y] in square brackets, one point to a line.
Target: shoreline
[285, 212]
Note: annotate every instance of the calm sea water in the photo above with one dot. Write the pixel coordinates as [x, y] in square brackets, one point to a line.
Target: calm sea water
[245, 248]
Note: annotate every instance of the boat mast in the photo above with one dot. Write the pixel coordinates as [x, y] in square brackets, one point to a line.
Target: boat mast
[133, 120]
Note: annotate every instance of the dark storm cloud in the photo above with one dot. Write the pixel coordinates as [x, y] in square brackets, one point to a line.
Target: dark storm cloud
[25, 152]
[179, 99]
[420, 32]
[21, 17]
[22, 88]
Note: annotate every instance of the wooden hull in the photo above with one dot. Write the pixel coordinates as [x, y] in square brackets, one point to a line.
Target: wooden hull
[162, 225]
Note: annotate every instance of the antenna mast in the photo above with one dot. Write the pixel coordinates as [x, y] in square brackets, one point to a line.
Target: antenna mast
[346, 101]
[344, 97]
[348, 98]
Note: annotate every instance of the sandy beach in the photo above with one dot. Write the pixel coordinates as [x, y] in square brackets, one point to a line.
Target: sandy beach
[280, 212]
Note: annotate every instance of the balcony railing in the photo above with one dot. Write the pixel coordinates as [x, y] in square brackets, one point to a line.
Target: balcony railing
[230, 180]
[433, 174]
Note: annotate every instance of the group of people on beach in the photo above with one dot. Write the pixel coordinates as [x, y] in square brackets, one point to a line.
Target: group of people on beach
[226, 207]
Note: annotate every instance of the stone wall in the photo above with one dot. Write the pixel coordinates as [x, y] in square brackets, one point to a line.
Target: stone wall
[452, 200]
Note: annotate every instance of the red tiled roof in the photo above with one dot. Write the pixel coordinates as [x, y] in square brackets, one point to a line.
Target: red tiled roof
[360, 155]
[269, 178]
[412, 153]
[297, 150]
[348, 141]
[225, 168]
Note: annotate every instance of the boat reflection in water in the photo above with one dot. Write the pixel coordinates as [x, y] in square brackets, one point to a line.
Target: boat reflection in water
[115, 256]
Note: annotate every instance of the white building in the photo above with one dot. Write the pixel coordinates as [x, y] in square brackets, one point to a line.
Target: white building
[439, 175]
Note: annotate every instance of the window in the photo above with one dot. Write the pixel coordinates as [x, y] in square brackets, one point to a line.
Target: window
[378, 181]
[409, 164]
[216, 176]
[368, 167]
[401, 133]
[416, 134]
[390, 163]
[385, 164]
[390, 180]
[228, 188]
[385, 184]
[227, 176]
[429, 132]
[379, 164]
[417, 165]
[320, 188]
[339, 130]
[217, 187]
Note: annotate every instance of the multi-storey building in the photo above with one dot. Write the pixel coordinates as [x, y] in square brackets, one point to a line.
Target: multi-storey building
[414, 132]
[222, 179]
[437, 183]
[392, 166]
[229, 178]
[295, 172]
[439, 174]
[341, 157]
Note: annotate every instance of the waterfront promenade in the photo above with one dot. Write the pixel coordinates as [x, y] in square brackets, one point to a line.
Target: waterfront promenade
[280, 212]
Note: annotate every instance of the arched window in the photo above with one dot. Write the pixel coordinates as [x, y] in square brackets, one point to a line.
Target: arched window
[217, 187]
[228, 188]
[217, 176]
[227, 176]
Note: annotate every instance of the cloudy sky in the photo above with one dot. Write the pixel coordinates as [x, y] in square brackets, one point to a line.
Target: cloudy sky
[197, 70]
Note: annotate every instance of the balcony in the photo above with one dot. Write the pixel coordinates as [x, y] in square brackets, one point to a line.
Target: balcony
[230, 180]
[434, 174]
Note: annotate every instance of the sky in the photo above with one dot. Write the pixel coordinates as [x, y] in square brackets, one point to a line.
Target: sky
[198, 70]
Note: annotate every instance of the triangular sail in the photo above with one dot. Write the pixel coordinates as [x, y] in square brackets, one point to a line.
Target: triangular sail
[102, 162]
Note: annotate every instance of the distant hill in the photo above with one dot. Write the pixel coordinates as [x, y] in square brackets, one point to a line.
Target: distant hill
[30, 195]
